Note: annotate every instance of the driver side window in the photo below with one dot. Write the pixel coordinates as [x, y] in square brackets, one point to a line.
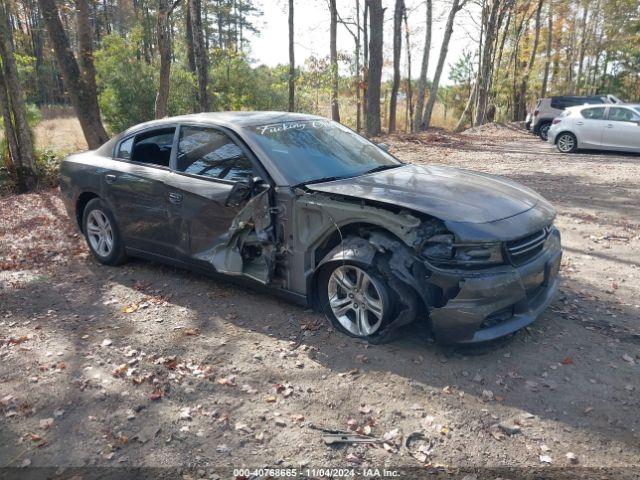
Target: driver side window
[211, 153]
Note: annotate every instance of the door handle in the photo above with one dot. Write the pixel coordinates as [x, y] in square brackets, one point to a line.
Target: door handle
[110, 178]
[175, 198]
[609, 126]
[579, 123]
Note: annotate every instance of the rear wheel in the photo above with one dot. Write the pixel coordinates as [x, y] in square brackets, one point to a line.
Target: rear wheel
[356, 299]
[567, 142]
[544, 131]
[102, 233]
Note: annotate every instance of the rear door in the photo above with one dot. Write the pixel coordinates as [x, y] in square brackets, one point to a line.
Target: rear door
[622, 129]
[207, 164]
[590, 126]
[137, 191]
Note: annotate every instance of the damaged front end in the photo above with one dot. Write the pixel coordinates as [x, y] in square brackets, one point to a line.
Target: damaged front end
[468, 291]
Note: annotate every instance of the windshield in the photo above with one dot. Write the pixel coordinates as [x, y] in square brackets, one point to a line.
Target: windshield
[314, 150]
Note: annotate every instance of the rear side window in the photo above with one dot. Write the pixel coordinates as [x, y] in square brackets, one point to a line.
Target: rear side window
[593, 113]
[618, 114]
[153, 147]
[212, 153]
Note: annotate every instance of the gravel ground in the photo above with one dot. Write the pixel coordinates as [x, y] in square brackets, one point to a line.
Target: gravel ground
[149, 366]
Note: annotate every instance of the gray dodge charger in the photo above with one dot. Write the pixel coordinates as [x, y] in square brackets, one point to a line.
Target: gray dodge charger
[308, 209]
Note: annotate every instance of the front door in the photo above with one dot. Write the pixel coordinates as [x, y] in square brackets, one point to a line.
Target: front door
[137, 190]
[207, 165]
[590, 127]
[622, 129]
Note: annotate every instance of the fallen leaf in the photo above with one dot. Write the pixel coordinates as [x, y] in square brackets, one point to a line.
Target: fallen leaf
[120, 370]
[227, 381]
[46, 423]
[567, 361]
[156, 395]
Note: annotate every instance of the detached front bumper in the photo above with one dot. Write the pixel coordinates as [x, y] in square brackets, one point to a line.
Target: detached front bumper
[494, 303]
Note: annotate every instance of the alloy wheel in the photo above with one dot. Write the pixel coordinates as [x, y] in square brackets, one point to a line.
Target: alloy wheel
[100, 233]
[566, 143]
[355, 299]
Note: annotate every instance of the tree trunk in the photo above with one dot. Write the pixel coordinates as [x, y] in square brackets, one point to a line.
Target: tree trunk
[333, 29]
[422, 81]
[83, 98]
[372, 100]
[188, 34]
[547, 60]
[484, 71]
[164, 51]
[583, 43]
[23, 145]
[9, 132]
[409, 122]
[358, 72]
[397, 50]
[521, 106]
[365, 58]
[433, 94]
[467, 109]
[292, 61]
[200, 54]
[85, 47]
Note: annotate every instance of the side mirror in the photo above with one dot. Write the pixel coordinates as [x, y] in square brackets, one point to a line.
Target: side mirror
[241, 191]
[383, 146]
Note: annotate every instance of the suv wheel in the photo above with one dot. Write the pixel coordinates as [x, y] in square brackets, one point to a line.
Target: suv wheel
[567, 142]
[544, 131]
[102, 233]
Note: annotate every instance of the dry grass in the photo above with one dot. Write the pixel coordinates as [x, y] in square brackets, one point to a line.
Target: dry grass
[61, 134]
[60, 130]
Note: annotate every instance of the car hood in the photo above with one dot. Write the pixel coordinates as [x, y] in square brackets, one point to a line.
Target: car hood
[450, 194]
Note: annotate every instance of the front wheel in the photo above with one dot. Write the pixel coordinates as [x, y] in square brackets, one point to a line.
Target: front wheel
[356, 299]
[102, 233]
[567, 142]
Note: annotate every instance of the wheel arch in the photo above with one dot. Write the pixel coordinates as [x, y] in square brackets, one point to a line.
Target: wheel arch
[81, 202]
[362, 242]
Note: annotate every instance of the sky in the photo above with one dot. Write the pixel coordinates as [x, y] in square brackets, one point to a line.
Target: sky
[311, 20]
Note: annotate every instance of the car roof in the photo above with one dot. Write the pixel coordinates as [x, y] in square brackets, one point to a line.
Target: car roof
[228, 119]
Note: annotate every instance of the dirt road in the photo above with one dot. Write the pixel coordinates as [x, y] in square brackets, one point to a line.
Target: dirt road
[145, 365]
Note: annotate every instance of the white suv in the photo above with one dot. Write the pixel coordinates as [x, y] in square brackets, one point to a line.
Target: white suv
[605, 127]
[549, 108]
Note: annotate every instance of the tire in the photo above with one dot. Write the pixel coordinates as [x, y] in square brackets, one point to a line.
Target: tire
[102, 234]
[567, 142]
[339, 291]
[544, 131]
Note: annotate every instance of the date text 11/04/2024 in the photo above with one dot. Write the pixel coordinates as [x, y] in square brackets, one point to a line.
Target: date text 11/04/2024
[316, 472]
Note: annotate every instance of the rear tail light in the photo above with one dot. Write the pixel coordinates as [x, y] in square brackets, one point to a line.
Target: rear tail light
[536, 112]
[556, 120]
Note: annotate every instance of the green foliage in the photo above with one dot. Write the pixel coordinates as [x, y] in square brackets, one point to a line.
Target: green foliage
[127, 84]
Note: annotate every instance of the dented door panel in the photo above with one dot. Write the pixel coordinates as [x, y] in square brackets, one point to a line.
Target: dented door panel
[200, 217]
